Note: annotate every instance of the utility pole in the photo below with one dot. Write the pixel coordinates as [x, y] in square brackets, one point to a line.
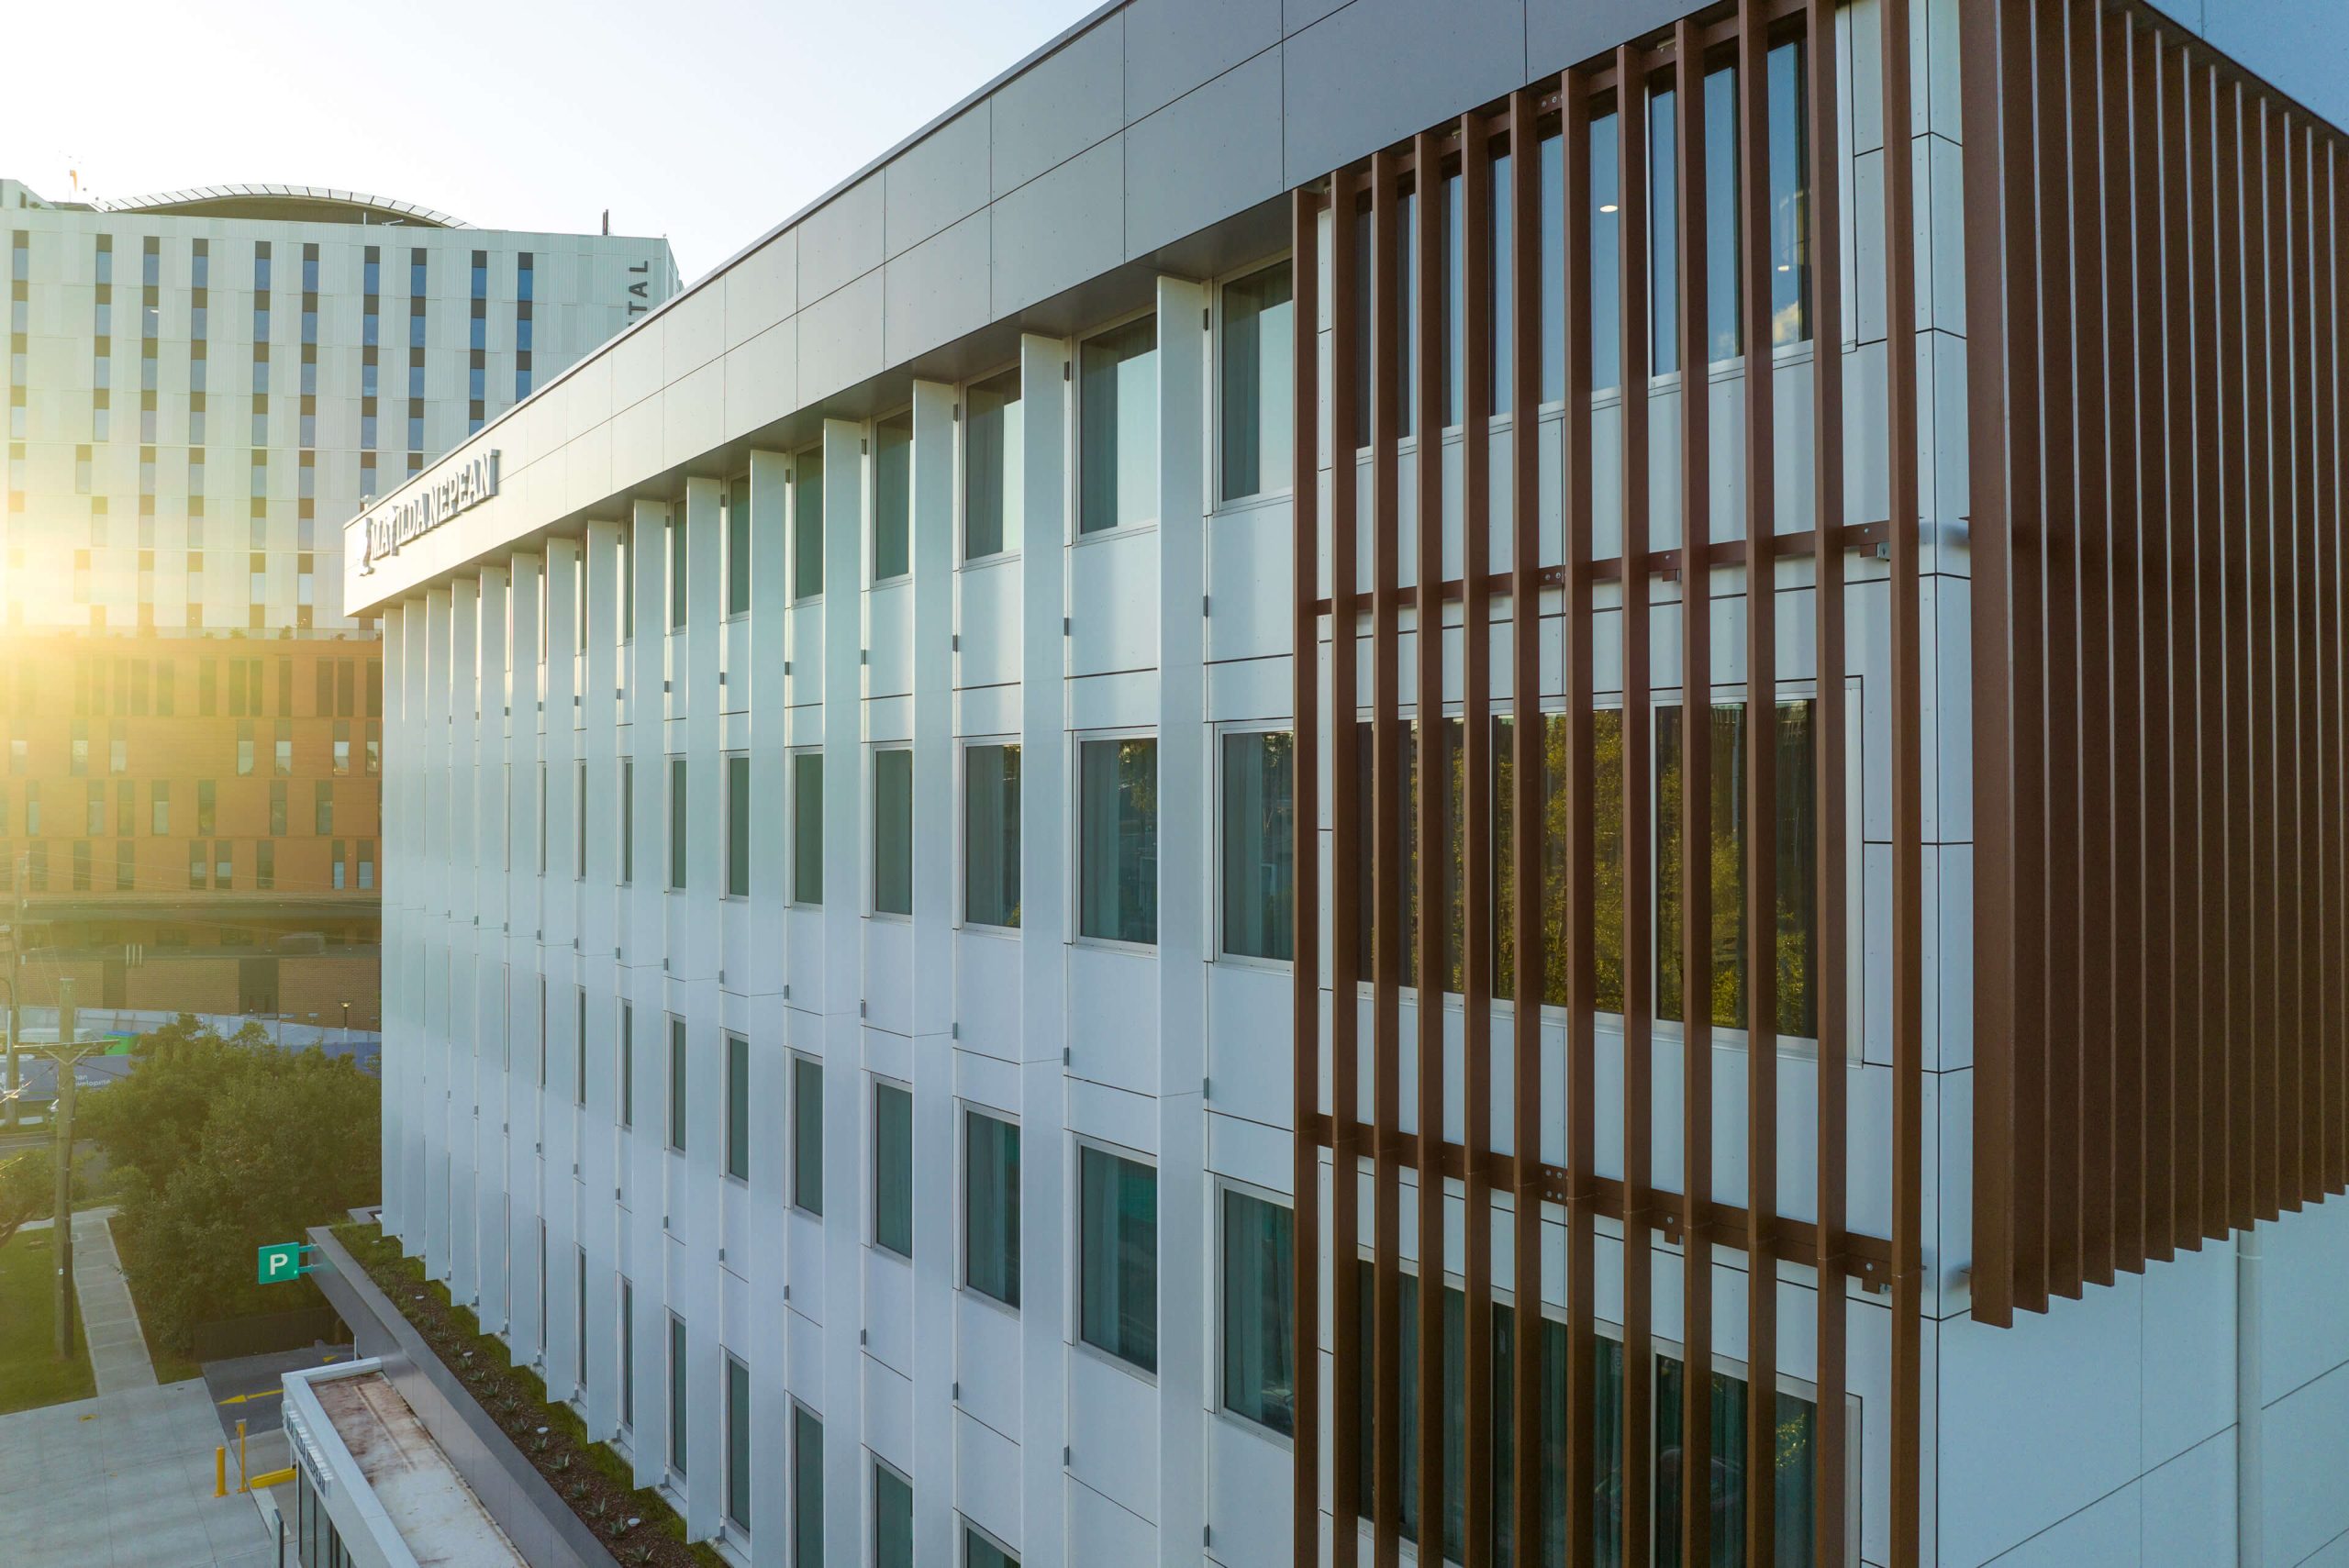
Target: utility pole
[16, 943]
[67, 1056]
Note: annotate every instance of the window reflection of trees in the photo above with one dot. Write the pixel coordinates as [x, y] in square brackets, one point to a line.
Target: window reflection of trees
[1794, 942]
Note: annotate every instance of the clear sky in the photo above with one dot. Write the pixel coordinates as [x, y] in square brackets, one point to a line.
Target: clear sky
[706, 120]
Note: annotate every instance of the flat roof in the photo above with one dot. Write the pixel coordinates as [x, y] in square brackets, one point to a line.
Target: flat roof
[436, 1514]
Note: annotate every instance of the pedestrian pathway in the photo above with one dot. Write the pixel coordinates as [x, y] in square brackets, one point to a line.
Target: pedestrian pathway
[118, 1356]
[123, 1481]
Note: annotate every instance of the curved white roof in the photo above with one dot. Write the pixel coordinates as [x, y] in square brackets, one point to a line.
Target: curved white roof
[363, 205]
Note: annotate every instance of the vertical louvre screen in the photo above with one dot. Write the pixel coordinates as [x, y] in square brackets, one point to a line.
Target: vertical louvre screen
[1659, 219]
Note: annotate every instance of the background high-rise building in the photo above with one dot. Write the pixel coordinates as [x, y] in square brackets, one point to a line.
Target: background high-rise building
[200, 387]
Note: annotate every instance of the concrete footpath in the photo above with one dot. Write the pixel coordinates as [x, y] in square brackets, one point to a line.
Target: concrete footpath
[119, 1356]
[123, 1481]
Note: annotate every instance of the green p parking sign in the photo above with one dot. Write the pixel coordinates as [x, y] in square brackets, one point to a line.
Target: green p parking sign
[279, 1261]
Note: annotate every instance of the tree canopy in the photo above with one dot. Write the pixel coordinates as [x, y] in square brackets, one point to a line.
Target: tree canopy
[223, 1145]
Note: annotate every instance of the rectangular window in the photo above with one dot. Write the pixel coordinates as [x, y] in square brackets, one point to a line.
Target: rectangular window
[738, 546]
[1406, 290]
[893, 1169]
[981, 1552]
[627, 822]
[738, 826]
[737, 1443]
[1500, 284]
[1118, 426]
[991, 835]
[677, 1403]
[579, 820]
[628, 1353]
[992, 494]
[1664, 233]
[893, 831]
[1117, 1257]
[1259, 1312]
[807, 828]
[1796, 941]
[1789, 197]
[1607, 793]
[1791, 1495]
[1606, 256]
[893, 496]
[893, 1518]
[1118, 850]
[627, 1064]
[807, 1134]
[579, 1045]
[1259, 844]
[677, 1083]
[624, 576]
[1724, 235]
[1256, 393]
[738, 1107]
[1406, 763]
[808, 524]
[807, 1489]
[1723, 238]
[991, 1206]
[677, 805]
[677, 600]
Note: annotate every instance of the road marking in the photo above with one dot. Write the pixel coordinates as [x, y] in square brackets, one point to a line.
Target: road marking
[257, 1393]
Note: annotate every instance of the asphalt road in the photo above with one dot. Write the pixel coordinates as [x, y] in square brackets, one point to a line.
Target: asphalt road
[249, 1389]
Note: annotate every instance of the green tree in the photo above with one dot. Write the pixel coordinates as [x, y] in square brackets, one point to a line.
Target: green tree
[153, 1121]
[224, 1145]
[28, 1191]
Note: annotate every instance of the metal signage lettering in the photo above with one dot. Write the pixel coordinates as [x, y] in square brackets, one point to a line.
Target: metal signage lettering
[392, 527]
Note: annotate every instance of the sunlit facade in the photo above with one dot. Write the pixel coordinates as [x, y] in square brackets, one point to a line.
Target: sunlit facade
[195, 380]
[1048, 898]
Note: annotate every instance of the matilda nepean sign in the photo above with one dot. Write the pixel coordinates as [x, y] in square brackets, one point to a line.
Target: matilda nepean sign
[394, 524]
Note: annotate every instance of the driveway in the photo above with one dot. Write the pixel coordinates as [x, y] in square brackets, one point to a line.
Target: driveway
[123, 1481]
[248, 1389]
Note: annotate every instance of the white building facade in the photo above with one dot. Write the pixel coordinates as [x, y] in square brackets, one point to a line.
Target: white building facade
[840, 839]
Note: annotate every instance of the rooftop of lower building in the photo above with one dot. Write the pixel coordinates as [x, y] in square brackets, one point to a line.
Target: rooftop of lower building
[401, 1480]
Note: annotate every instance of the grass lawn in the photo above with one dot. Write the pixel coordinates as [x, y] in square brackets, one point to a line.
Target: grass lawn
[29, 1374]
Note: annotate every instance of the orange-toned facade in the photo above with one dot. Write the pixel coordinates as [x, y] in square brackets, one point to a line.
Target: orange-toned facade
[192, 823]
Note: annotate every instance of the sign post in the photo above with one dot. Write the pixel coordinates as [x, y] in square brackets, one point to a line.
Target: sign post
[281, 1261]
